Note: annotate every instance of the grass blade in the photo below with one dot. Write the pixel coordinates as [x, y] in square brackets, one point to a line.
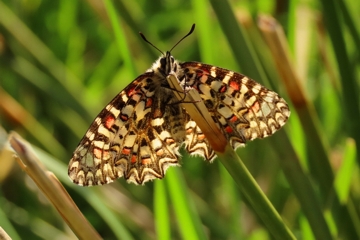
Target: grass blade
[161, 209]
[232, 162]
[186, 215]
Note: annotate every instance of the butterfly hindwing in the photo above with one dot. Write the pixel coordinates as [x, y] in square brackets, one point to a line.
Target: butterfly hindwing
[196, 142]
[242, 108]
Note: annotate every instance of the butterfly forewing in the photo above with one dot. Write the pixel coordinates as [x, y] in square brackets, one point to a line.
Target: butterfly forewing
[138, 134]
[131, 137]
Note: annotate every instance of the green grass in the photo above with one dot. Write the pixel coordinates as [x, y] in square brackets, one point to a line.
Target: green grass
[60, 63]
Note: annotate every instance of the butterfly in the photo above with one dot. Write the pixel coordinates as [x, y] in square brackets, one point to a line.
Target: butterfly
[139, 133]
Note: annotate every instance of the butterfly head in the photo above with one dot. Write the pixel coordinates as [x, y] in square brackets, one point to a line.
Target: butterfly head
[166, 64]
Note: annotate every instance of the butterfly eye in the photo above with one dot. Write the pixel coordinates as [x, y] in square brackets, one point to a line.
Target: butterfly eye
[163, 63]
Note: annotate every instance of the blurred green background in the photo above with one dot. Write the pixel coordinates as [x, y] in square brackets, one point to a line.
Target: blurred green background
[61, 62]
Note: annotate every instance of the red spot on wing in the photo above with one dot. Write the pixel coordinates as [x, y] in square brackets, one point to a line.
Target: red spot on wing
[205, 69]
[109, 121]
[97, 152]
[133, 159]
[100, 153]
[124, 117]
[234, 85]
[255, 107]
[204, 78]
[106, 154]
[222, 89]
[199, 73]
[202, 72]
[228, 129]
[125, 151]
[131, 91]
[201, 136]
[159, 152]
[149, 102]
[233, 118]
[146, 161]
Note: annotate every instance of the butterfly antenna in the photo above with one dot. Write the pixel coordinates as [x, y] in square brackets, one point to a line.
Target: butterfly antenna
[143, 37]
[191, 31]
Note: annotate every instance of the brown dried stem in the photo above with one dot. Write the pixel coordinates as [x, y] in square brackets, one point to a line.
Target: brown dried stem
[4, 235]
[317, 145]
[52, 188]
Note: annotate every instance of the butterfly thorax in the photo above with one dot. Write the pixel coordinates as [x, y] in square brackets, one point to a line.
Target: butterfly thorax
[165, 104]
